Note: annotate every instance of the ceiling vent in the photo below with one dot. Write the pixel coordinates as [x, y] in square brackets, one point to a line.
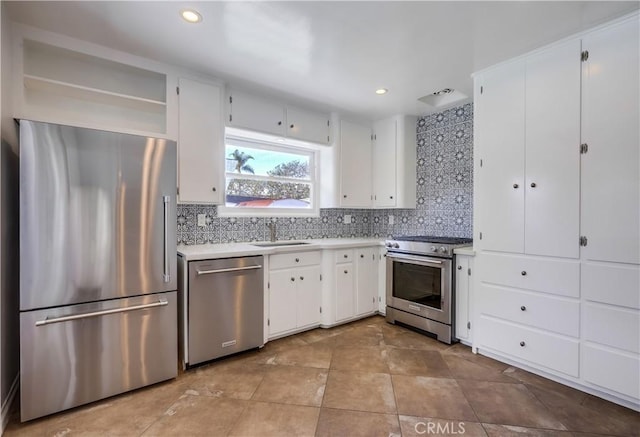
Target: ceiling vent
[444, 97]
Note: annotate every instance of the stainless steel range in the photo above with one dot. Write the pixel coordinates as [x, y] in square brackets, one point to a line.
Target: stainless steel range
[420, 283]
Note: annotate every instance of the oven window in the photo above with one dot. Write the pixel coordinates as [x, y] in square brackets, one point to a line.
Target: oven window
[417, 283]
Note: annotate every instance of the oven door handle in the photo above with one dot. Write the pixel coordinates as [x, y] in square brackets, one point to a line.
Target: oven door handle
[413, 258]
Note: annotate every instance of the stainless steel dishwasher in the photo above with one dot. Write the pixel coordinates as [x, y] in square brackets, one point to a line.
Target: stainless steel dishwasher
[225, 307]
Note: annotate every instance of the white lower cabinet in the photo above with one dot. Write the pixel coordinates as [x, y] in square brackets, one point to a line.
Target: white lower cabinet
[382, 281]
[344, 291]
[366, 280]
[295, 292]
[463, 291]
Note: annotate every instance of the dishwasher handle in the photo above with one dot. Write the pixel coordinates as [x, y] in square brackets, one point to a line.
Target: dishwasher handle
[232, 269]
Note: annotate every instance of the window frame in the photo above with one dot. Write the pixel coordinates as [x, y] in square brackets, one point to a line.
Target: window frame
[276, 145]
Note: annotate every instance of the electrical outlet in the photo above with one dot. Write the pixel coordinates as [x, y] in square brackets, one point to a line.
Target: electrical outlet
[347, 219]
[392, 220]
[202, 220]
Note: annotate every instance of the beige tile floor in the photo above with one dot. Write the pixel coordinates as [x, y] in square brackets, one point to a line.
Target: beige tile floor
[366, 378]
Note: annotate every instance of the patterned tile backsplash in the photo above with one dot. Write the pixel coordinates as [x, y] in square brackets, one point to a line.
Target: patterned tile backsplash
[444, 197]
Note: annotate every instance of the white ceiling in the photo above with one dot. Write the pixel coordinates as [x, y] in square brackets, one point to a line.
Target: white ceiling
[332, 55]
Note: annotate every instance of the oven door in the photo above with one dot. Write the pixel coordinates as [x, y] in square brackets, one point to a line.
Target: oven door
[420, 285]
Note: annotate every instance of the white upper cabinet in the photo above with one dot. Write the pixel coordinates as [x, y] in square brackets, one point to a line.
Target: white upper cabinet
[256, 114]
[307, 126]
[394, 162]
[552, 159]
[528, 132]
[611, 166]
[272, 117]
[355, 165]
[200, 143]
[76, 88]
[499, 130]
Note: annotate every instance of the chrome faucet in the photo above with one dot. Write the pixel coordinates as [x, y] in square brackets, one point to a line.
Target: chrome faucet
[272, 231]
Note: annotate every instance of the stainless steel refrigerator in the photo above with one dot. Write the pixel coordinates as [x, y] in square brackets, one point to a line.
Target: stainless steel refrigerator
[98, 305]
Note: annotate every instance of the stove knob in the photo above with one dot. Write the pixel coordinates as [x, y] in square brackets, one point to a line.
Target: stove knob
[396, 246]
[443, 249]
[434, 249]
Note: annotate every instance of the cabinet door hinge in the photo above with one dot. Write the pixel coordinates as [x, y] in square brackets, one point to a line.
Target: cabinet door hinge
[268, 322]
[320, 310]
[481, 89]
[178, 191]
[375, 137]
[469, 272]
[328, 123]
[481, 163]
[230, 117]
[178, 90]
[583, 241]
[268, 284]
[230, 99]
[321, 276]
[584, 55]
[379, 299]
[584, 148]
[327, 138]
[481, 235]
[468, 325]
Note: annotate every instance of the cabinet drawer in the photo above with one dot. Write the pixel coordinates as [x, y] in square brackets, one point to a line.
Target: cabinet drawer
[617, 284]
[296, 259]
[547, 350]
[615, 371]
[344, 256]
[616, 327]
[538, 274]
[540, 311]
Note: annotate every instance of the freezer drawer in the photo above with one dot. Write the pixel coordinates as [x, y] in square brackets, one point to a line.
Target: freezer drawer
[77, 354]
[225, 301]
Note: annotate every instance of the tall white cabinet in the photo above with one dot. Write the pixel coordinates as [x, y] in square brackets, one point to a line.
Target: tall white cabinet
[200, 143]
[557, 201]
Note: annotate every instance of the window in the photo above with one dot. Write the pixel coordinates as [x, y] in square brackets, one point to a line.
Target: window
[264, 177]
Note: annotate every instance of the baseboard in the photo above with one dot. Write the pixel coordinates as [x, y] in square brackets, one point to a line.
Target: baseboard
[6, 407]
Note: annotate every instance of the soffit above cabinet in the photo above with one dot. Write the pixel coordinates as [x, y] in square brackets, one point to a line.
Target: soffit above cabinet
[332, 54]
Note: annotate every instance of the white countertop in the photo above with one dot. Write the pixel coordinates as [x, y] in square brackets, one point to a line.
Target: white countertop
[228, 250]
[465, 250]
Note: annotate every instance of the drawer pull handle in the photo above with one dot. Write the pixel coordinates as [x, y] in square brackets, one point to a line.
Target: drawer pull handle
[293, 279]
[515, 185]
[523, 273]
[302, 278]
[47, 321]
[523, 308]
[232, 269]
[459, 267]
[522, 344]
[361, 256]
[346, 256]
[346, 271]
[533, 184]
[297, 260]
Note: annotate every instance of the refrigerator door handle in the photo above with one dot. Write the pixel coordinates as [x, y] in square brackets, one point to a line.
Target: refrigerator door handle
[166, 276]
[160, 303]
[233, 269]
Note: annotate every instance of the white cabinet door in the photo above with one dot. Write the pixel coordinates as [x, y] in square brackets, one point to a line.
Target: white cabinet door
[382, 281]
[256, 114]
[201, 144]
[307, 126]
[552, 184]
[282, 300]
[345, 296]
[309, 296]
[384, 163]
[355, 165]
[462, 297]
[500, 137]
[611, 166]
[366, 280]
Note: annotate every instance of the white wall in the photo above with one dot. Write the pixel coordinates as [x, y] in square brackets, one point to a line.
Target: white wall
[9, 231]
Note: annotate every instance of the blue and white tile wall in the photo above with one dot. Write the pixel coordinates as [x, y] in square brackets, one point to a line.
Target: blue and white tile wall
[444, 197]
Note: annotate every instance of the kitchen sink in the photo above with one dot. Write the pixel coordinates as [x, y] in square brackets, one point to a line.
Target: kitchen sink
[280, 243]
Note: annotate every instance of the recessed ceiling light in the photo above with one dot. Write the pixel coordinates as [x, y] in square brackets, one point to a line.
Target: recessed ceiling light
[191, 15]
[381, 91]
